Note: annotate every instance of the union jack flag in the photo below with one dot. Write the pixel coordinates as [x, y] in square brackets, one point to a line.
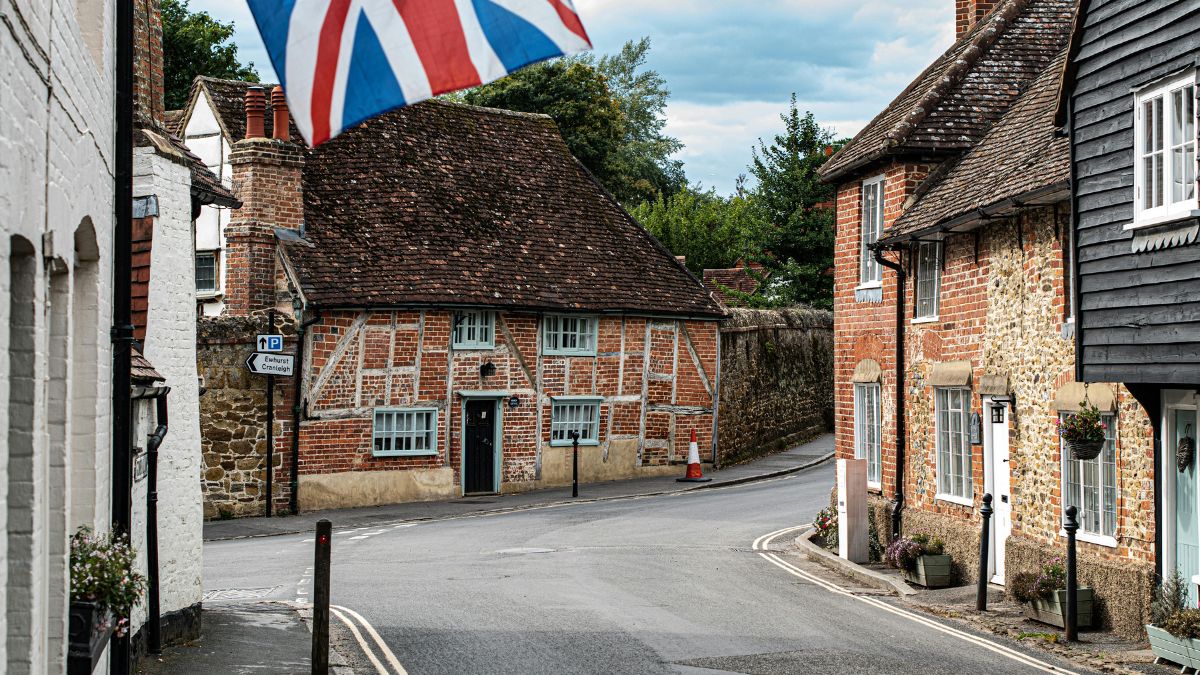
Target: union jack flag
[344, 61]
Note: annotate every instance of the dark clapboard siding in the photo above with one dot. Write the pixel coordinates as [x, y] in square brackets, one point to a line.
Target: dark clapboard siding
[1139, 318]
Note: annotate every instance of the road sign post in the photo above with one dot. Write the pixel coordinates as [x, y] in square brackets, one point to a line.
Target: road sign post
[269, 342]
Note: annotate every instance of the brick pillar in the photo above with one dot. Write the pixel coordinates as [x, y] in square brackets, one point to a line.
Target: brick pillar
[148, 84]
[266, 177]
[967, 13]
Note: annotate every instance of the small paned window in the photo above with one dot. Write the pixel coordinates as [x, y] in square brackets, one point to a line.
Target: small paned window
[870, 271]
[405, 432]
[866, 429]
[569, 335]
[953, 410]
[582, 416]
[206, 272]
[929, 279]
[474, 330]
[1090, 485]
[1165, 175]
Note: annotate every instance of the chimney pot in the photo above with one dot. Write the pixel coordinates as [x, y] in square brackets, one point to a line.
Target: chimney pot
[256, 105]
[279, 117]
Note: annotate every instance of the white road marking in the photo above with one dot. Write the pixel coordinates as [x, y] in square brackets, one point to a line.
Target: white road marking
[361, 642]
[762, 544]
[383, 648]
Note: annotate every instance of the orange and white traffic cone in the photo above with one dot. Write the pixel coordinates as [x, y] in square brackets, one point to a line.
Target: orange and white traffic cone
[694, 474]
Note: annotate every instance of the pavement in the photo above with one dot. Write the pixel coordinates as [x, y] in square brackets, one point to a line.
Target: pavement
[789, 461]
[697, 582]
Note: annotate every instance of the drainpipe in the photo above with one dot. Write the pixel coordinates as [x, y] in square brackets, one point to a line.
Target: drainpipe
[122, 329]
[901, 437]
[298, 382]
[153, 613]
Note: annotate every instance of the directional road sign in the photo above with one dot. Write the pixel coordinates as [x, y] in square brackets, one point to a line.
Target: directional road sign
[270, 364]
[269, 343]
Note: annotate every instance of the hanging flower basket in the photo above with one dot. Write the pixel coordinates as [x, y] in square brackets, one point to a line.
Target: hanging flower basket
[1085, 449]
[1185, 450]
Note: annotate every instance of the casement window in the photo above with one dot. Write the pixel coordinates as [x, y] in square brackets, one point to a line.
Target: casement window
[575, 415]
[405, 432]
[206, 272]
[866, 430]
[474, 330]
[952, 412]
[1090, 485]
[870, 271]
[1165, 174]
[569, 335]
[929, 280]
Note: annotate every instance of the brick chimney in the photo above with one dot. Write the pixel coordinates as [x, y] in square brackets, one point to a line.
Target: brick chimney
[967, 13]
[266, 177]
[149, 102]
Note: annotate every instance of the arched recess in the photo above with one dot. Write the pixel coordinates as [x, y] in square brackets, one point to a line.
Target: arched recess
[58, 348]
[85, 381]
[19, 595]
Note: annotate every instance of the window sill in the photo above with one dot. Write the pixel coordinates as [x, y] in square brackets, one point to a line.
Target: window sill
[869, 285]
[431, 453]
[925, 319]
[473, 348]
[1091, 538]
[209, 295]
[1163, 219]
[953, 499]
[878, 487]
[567, 444]
[586, 354]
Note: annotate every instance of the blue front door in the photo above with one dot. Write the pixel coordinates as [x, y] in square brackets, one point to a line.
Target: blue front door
[1187, 533]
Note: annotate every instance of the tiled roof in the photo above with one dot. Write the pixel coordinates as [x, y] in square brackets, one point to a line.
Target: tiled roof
[1021, 155]
[951, 105]
[205, 185]
[141, 370]
[447, 204]
[228, 99]
[173, 120]
[736, 278]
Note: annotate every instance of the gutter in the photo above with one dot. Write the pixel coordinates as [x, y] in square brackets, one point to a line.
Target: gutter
[901, 438]
[298, 382]
[153, 611]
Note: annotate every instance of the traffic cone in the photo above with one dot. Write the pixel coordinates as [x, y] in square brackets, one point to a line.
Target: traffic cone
[694, 474]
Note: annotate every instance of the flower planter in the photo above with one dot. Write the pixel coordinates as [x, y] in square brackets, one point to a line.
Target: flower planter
[1167, 647]
[1052, 609]
[1085, 449]
[932, 571]
[90, 630]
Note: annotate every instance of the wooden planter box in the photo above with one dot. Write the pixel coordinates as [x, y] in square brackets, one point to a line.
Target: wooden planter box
[1167, 647]
[90, 630]
[1052, 610]
[932, 571]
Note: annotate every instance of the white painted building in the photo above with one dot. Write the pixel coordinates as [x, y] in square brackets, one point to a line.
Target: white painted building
[56, 187]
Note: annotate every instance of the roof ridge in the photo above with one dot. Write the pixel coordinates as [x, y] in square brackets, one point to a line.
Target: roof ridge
[985, 36]
[484, 108]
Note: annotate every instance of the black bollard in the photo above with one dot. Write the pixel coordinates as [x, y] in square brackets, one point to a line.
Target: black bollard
[1072, 617]
[985, 515]
[574, 463]
[320, 615]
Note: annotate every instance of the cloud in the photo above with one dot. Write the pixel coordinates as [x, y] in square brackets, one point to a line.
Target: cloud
[731, 66]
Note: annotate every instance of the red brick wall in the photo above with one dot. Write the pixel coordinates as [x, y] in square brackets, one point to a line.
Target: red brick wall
[362, 360]
[968, 12]
[148, 100]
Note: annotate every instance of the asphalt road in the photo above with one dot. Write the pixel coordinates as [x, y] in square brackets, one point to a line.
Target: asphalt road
[668, 584]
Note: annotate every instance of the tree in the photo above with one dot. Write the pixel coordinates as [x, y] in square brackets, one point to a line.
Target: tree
[714, 232]
[789, 191]
[194, 43]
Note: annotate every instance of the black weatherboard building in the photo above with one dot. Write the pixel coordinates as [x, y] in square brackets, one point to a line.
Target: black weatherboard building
[1129, 102]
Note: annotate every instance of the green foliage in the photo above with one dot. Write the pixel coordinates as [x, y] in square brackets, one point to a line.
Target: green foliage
[713, 232]
[1030, 586]
[102, 571]
[826, 525]
[194, 43]
[1170, 598]
[930, 545]
[1184, 624]
[610, 112]
[1083, 426]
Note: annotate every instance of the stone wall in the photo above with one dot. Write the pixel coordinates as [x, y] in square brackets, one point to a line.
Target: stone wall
[776, 381]
[233, 419]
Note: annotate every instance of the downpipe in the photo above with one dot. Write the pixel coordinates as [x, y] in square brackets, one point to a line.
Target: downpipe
[901, 435]
[153, 605]
[298, 383]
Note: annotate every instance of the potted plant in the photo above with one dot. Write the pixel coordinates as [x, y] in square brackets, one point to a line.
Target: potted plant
[1083, 432]
[922, 559]
[1045, 596]
[104, 589]
[1174, 630]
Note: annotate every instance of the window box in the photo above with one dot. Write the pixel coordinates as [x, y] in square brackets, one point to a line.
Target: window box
[405, 432]
[90, 630]
[1052, 609]
[564, 335]
[932, 571]
[474, 330]
[1184, 652]
[579, 414]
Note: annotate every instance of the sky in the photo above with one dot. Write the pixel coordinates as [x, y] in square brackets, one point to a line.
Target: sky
[732, 65]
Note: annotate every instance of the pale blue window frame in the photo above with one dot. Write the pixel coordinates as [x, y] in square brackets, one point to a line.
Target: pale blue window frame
[569, 335]
[575, 413]
[474, 329]
[404, 432]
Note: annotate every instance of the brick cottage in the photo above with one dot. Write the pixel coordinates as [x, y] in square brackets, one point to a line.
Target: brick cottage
[955, 392]
[469, 297]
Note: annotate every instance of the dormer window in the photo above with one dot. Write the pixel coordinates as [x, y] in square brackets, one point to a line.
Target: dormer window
[1165, 174]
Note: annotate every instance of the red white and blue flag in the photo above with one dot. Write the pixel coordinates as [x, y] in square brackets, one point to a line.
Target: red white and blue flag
[344, 61]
